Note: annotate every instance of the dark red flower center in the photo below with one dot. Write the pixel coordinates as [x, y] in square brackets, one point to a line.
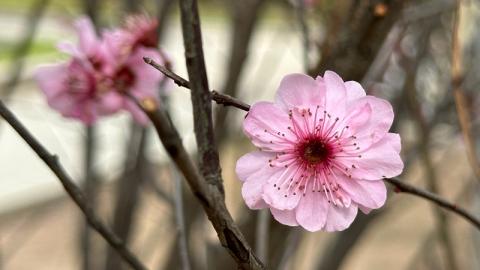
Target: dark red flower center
[315, 151]
[124, 79]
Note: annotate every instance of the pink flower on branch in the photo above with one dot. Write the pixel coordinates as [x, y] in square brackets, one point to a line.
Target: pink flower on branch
[103, 72]
[324, 148]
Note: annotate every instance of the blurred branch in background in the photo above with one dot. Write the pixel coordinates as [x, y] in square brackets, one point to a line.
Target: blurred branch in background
[180, 220]
[424, 135]
[461, 105]
[34, 17]
[299, 6]
[90, 183]
[290, 247]
[71, 188]
[262, 233]
[128, 191]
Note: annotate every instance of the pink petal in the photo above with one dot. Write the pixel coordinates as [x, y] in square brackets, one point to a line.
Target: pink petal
[286, 217]
[110, 102]
[148, 78]
[51, 79]
[252, 194]
[299, 90]
[358, 117]
[380, 160]
[395, 141]
[252, 162]
[370, 194]
[87, 37]
[379, 121]
[311, 212]
[354, 91]
[276, 192]
[335, 100]
[267, 126]
[253, 186]
[340, 218]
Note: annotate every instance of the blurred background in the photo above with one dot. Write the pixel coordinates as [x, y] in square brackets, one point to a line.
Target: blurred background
[398, 50]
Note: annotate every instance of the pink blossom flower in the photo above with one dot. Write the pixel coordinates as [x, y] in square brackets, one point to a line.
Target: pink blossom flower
[77, 88]
[103, 73]
[134, 78]
[324, 148]
[73, 89]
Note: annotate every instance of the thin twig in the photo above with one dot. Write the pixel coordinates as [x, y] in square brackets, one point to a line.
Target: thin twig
[424, 135]
[219, 98]
[459, 95]
[71, 188]
[407, 188]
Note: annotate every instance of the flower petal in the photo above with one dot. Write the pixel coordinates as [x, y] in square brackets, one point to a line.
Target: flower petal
[340, 218]
[87, 37]
[380, 160]
[335, 100]
[286, 217]
[299, 90]
[267, 126]
[251, 163]
[253, 186]
[370, 194]
[311, 212]
[51, 79]
[354, 91]
[278, 192]
[379, 122]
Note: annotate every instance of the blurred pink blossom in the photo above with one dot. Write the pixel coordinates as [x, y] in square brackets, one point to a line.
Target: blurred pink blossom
[324, 148]
[103, 72]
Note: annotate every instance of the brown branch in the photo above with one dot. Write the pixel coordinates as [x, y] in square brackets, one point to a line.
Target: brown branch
[219, 98]
[210, 198]
[209, 162]
[407, 188]
[71, 188]
[459, 95]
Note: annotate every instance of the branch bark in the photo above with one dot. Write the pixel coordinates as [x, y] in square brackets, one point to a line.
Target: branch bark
[219, 98]
[211, 199]
[71, 188]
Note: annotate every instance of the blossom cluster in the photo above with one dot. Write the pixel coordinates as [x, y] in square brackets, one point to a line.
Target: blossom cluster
[324, 148]
[104, 71]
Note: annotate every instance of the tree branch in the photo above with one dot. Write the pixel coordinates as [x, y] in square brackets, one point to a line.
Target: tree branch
[219, 98]
[406, 188]
[71, 188]
[210, 198]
